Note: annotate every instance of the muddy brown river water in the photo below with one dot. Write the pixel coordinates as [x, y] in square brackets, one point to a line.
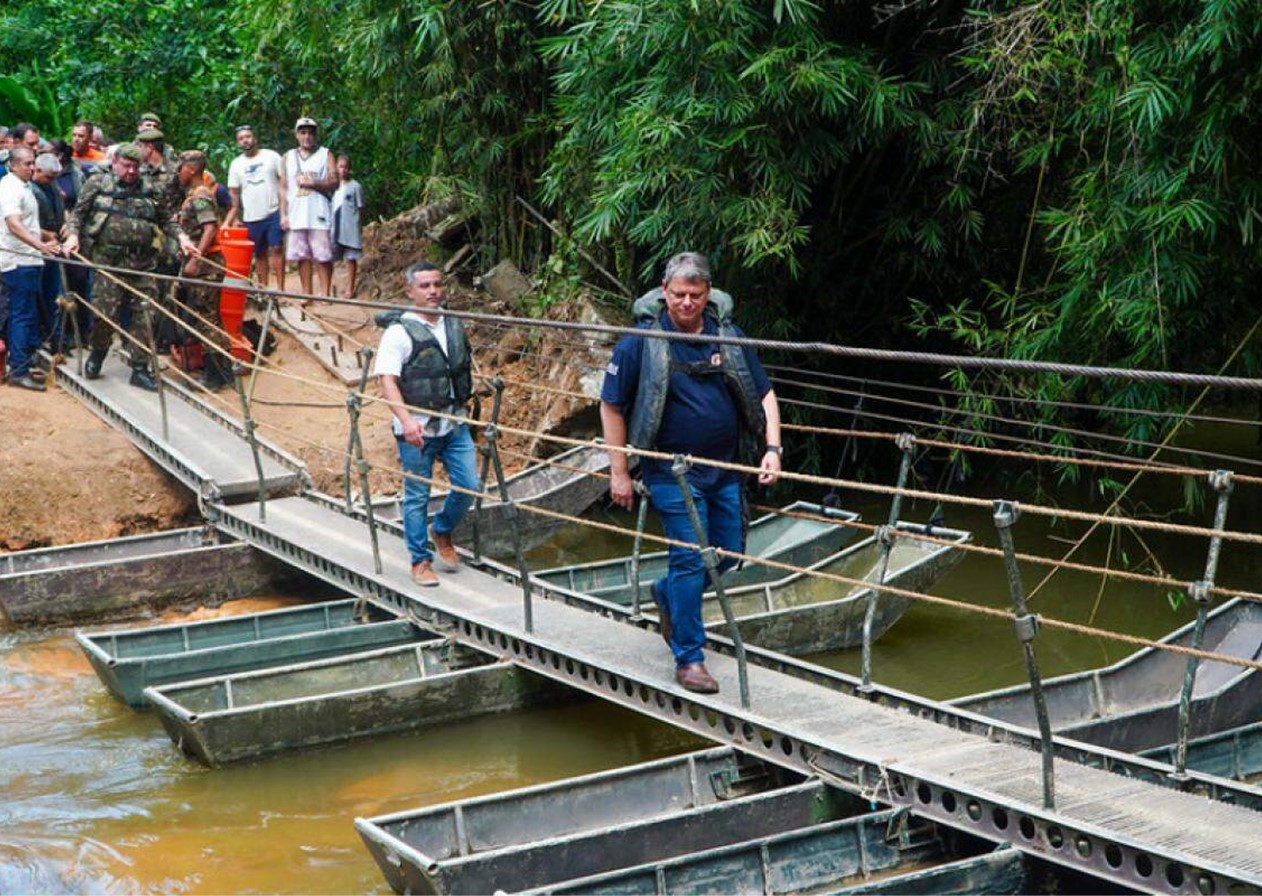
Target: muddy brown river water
[94, 798]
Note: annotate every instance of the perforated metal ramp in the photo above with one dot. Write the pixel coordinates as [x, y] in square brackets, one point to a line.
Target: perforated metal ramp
[203, 448]
[1123, 829]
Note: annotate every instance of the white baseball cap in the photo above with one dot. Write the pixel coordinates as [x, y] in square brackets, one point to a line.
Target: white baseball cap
[305, 122]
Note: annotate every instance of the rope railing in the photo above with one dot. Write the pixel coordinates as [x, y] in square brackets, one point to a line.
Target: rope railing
[863, 383]
[502, 321]
[1100, 459]
[964, 362]
[809, 479]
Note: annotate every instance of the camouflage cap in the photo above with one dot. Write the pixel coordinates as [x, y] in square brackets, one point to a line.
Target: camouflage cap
[149, 116]
[193, 157]
[149, 134]
[128, 151]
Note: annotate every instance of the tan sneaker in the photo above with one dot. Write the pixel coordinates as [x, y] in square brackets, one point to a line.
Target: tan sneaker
[448, 559]
[423, 574]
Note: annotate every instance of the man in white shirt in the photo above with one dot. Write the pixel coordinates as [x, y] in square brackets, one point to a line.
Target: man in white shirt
[308, 179]
[22, 251]
[254, 181]
[424, 365]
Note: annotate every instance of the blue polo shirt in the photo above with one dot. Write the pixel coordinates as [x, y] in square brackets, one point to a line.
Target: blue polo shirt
[700, 416]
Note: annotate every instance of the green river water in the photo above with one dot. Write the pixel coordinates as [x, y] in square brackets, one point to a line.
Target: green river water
[94, 798]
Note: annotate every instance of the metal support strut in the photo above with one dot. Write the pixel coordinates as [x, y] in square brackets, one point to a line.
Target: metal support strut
[885, 535]
[485, 450]
[147, 313]
[1220, 481]
[679, 467]
[1006, 514]
[491, 434]
[258, 353]
[238, 372]
[352, 432]
[641, 516]
[354, 403]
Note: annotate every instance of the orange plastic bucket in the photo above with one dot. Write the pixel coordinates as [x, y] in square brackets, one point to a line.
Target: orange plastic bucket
[234, 243]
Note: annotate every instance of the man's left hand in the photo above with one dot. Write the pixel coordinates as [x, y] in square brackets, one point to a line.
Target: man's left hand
[770, 467]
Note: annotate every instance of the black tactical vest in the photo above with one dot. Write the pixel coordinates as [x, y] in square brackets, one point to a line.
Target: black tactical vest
[431, 379]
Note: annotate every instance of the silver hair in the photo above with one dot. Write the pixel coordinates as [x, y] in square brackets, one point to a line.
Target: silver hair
[48, 162]
[21, 152]
[414, 271]
[687, 266]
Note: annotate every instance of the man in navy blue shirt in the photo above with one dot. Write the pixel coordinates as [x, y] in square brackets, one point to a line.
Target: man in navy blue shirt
[693, 398]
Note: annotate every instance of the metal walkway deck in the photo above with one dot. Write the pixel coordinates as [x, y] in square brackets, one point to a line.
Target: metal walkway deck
[1117, 827]
[206, 450]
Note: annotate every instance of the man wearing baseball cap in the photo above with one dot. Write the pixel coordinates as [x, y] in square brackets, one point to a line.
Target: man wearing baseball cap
[308, 179]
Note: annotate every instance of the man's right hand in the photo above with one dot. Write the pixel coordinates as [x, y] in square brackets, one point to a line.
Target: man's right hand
[413, 434]
[622, 489]
[71, 245]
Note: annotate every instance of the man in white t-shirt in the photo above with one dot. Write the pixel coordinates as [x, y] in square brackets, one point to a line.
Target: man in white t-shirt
[22, 251]
[424, 365]
[308, 179]
[254, 181]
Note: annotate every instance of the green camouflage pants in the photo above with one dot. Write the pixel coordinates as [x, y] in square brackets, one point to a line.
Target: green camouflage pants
[113, 300]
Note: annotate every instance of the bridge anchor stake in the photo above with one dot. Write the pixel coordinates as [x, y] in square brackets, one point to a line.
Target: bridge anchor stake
[497, 384]
[679, 467]
[1220, 481]
[354, 403]
[492, 434]
[641, 515]
[258, 353]
[238, 374]
[146, 312]
[1005, 517]
[885, 536]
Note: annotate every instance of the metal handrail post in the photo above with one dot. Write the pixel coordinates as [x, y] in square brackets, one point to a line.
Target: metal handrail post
[1027, 625]
[491, 434]
[147, 313]
[885, 536]
[80, 349]
[485, 450]
[258, 353]
[364, 354]
[679, 467]
[238, 372]
[1220, 481]
[640, 519]
[353, 403]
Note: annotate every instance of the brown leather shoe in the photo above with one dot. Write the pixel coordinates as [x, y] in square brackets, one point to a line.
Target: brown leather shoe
[448, 559]
[697, 679]
[423, 574]
[663, 614]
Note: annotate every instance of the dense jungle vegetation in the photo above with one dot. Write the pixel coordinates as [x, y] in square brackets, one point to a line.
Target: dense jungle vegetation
[1070, 180]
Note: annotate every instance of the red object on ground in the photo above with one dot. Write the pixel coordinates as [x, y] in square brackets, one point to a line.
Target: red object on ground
[188, 357]
[237, 250]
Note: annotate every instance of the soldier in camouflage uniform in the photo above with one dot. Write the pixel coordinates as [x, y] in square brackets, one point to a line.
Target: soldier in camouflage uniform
[199, 239]
[122, 221]
[158, 167]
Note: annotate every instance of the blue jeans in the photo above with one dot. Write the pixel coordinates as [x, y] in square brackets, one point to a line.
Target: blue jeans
[459, 458]
[50, 323]
[719, 507]
[22, 285]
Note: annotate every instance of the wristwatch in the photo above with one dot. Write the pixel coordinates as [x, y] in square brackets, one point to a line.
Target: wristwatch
[777, 450]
